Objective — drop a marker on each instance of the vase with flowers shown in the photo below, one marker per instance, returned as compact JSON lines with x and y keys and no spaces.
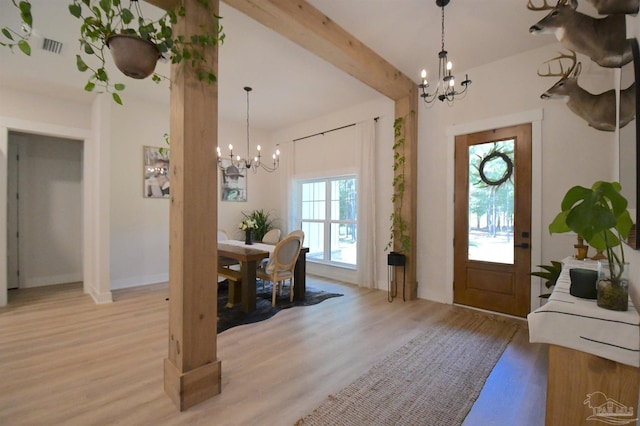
{"x":248,"y":225}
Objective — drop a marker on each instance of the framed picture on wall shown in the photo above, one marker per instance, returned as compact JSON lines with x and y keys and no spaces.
{"x":234,"y":184}
{"x":156,"y":172}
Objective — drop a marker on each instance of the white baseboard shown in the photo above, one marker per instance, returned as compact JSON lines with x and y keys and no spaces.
{"x":100,"y":298}
{"x":139,"y":281}
{"x":51,"y":280}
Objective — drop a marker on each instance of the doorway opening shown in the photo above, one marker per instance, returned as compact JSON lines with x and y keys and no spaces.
{"x":44,"y":210}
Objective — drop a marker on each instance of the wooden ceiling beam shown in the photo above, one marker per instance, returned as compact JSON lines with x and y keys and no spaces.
{"x":305,"y":25}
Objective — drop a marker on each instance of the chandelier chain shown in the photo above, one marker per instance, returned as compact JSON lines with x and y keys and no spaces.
{"x":442,"y":28}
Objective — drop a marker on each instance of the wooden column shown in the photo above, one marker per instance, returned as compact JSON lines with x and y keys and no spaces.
{"x":192,"y":372}
{"x":407,"y":108}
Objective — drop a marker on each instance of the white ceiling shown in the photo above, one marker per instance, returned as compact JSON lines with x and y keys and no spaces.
{"x":290,"y":84}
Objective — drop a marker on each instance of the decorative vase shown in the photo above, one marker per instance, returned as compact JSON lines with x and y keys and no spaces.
{"x":613,"y":292}
{"x":248,"y":237}
{"x":135,"y":57}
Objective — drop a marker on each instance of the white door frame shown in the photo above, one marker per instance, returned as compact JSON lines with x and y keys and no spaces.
{"x":95,"y":197}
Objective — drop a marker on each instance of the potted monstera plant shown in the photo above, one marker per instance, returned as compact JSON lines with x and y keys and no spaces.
{"x":135,"y":42}
{"x":599,"y":214}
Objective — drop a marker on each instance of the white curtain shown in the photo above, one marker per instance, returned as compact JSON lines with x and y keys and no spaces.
{"x":289,"y":198}
{"x":365,"y":138}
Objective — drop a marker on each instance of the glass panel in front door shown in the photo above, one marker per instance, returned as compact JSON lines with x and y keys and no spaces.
{"x":491,"y":202}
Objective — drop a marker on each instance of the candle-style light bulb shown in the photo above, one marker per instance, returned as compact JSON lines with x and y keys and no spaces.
{"x":274,"y":156}
{"x":452,"y":82}
{"x":449,"y":66}
{"x":278,"y":152}
{"x":259,"y":148}
{"x":230,"y":147}
{"x":238,"y":158}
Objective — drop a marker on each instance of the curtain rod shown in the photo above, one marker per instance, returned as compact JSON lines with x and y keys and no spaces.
{"x":332,"y":130}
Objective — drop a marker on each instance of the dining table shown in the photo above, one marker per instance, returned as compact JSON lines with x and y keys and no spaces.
{"x":249,"y":256}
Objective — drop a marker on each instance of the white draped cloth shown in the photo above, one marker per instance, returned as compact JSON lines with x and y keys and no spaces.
{"x":580,"y":324}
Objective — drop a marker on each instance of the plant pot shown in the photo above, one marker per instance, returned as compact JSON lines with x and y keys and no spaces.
{"x":581,"y":251}
{"x":396,"y":259}
{"x":248,"y":237}
{"x":135,"y":57}
{"x":613,"y":292}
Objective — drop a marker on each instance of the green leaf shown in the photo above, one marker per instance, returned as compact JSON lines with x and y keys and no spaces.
{"x":75,"y":10}
{"x":101,"y":75}
{"x":88,"y":49}
{"x":7,"y":34}
{"x":24,"y":47}
{"x":127,"y":16}
{"x":90,"y":86}
{"x":105,"y":5}
{"x":25,"y":13}
{"x":118,"y":86}
{"x":116,"y":98}
{"x":82,"y":67}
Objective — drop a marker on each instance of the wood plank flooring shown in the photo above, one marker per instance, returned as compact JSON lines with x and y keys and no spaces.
{"x":66,"y":361}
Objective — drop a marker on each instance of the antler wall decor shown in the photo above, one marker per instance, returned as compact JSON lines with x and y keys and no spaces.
{"x":598,"y":110}
{"x":602,"y":39}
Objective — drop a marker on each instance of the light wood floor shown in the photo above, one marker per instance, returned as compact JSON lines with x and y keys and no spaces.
{"x":66,"y":361}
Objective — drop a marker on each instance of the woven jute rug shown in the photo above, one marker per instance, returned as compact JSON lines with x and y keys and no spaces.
{"x":432,"y":380}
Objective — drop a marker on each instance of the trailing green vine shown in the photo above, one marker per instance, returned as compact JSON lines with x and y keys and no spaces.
{"x":399,"y":238}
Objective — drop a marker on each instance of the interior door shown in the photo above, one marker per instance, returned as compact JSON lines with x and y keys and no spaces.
{"x":492,"y":256}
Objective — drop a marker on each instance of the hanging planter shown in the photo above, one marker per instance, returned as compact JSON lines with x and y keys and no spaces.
{"x":134,"y":57}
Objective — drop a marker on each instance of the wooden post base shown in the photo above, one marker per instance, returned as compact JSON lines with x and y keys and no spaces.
{"x":190,"y":388}
{"x":579,"y":383}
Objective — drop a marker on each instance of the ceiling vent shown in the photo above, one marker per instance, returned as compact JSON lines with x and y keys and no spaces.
{"x":52,"y":46}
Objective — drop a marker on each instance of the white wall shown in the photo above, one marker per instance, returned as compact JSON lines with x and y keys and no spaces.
{"x":50,"y":210}
{"x":139,"y":227}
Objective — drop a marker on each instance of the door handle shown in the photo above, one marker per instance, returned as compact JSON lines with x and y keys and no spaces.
{"x":523,"y":245}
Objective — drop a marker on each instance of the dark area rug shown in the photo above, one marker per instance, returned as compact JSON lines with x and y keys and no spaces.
{"x":231,"y":317}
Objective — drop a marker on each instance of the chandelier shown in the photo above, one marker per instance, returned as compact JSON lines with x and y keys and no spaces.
{"x":445,"y":88}
{"x":247,"y":163}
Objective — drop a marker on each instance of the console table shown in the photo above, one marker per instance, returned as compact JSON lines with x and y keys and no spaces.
{"x":594,"y":355}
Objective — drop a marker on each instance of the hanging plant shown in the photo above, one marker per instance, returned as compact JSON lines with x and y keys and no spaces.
{"x":399,"y":238}
{"x":107,"y":24}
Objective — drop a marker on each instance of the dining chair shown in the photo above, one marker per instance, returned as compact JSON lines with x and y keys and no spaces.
{"x":272,"y":237}
{"x":281,"y":264}
{"x":222,"y":234}
{"x":298,"y":233}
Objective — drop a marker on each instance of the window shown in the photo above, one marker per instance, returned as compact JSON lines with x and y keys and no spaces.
{"x":328,"y":218}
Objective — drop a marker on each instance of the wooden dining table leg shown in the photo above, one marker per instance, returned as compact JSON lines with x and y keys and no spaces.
{"x":248,"y":270}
